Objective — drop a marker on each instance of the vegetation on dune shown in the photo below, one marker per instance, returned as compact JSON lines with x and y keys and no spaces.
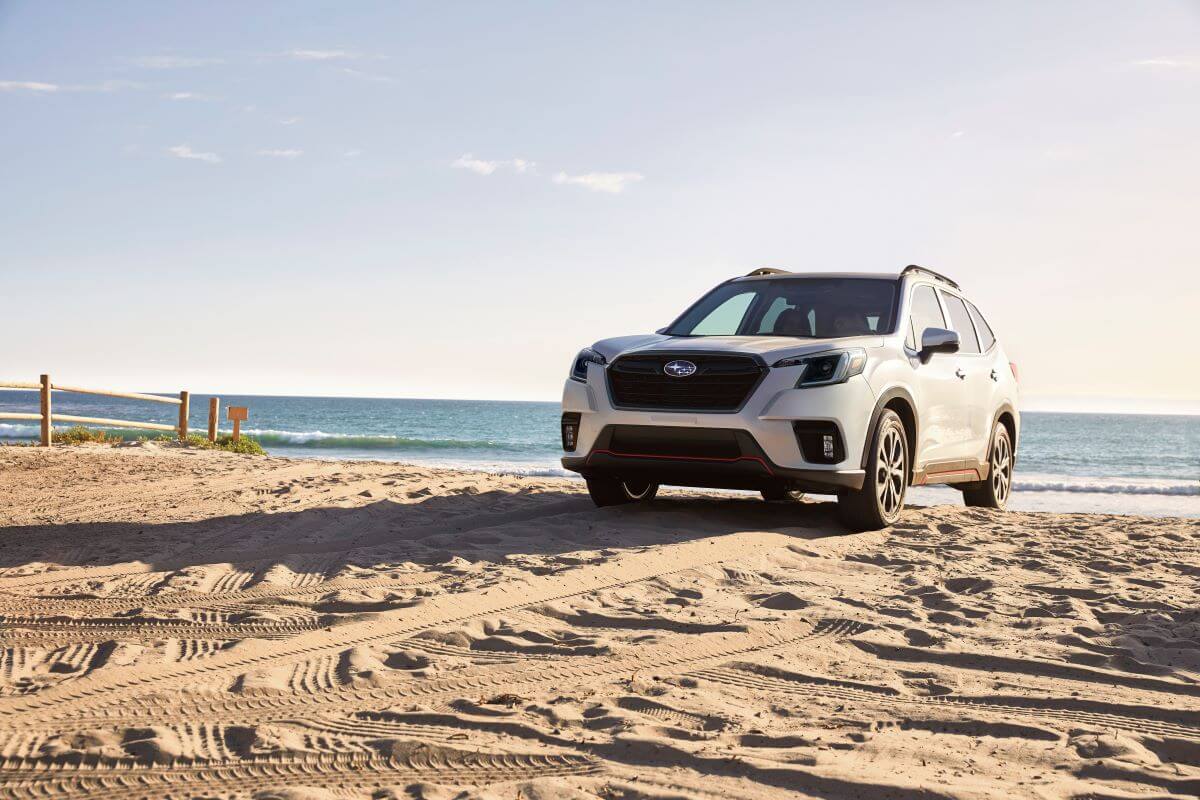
{"x":245,"y":445}
{"x":81,"y":435}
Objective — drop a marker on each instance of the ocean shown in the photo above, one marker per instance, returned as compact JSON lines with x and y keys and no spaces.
{"x":1105,"y":463}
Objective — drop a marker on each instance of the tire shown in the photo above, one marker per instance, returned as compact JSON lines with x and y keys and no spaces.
{"x":616,"y":492}
{"x":881,"y":499}
{"x":994,"y":492}
{"x":777,"y":495}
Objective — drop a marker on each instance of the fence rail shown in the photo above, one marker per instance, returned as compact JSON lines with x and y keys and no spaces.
{"x":47,"y":417}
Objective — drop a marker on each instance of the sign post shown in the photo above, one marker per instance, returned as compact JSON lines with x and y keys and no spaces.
{"x":237,"y":415}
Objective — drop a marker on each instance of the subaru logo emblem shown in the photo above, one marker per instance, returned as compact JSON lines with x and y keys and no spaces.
{"x":679,"y":369}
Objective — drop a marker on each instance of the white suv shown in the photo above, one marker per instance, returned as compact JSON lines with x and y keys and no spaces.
{"x":858,"y":385}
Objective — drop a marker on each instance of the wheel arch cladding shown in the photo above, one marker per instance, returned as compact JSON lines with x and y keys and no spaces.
{"x":1005,"y":417}
{"x":900,"y":401}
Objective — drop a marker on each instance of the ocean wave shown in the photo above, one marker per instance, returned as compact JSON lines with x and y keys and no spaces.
{"x":1107,"y":486}
{"x":319,"y":440}
{"x":9,"y":430}
{"x":343,"y":441}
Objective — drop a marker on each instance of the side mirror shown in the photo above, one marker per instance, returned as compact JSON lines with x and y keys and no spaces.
{"x":938,"y":340}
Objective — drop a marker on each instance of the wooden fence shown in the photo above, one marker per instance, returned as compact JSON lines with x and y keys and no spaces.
{"x":47,"y":418}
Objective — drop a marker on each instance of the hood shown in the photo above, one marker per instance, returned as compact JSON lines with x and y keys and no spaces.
{"x":769,"y":347}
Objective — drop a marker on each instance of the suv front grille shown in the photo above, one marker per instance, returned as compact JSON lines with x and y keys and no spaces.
{"x":721,"y":382}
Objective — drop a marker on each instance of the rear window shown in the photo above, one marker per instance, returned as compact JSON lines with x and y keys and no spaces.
{"x":986,"y":337}
{"x":960,"y":321}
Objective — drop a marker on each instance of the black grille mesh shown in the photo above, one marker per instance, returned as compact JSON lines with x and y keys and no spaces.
{"x":720,"y":383}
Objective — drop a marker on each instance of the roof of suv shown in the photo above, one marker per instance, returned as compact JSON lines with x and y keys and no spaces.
{"x":768,"y":273}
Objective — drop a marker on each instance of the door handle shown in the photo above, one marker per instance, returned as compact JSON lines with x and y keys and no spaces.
{"x":995,"y":375}
{"x":959,"y":372}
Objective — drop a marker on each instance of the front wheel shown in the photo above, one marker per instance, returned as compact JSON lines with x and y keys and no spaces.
{"x":615,"y":492}
{"x":881,"y":499}
{"x":993,"y":492}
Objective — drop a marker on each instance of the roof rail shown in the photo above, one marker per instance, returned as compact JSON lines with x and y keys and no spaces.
{"x":927,"y":271}
{"x":767,"y":271}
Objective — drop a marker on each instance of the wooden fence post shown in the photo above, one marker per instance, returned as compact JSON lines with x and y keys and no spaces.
{"x":47,"y":431}
{"x":183,"y":415}
{"x":214,"y":406}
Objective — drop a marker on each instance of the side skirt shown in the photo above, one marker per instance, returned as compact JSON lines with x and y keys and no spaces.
{"x":962,"y":471}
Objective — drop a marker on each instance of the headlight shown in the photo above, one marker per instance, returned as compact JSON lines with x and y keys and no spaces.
{"x":579,"y":366}
{"x":823,"y":369}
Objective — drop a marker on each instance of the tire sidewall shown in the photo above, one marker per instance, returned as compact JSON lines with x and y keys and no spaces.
{"x":1000,"y":431}
{"x":887,"y":421}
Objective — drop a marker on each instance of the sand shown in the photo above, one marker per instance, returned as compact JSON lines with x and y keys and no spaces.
{"x":195,"y":624}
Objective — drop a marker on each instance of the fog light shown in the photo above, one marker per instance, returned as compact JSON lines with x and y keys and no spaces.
{"x":570,"y":431}
{"x":820,"y":441}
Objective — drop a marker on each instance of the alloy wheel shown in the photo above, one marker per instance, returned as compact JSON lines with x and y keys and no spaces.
{"x":889,"y":472}
{"x":1002,"y":464}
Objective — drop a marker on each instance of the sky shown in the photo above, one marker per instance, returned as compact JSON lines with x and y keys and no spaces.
{"x":450,"y":199}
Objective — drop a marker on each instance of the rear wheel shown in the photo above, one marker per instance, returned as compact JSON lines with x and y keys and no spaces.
{"x":993,"y":493}
{"x":881,"y":499}
{"x":615,"y":491}
{"x":778,"y":495}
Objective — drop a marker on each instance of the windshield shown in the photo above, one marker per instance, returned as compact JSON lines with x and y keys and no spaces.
{"x":811,"y":308}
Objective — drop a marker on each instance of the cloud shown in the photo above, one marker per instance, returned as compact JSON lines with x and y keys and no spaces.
{"x":958,"y":134}
{"x":352,"y":154}
{"x":289,"y":120}
{"x":173,"y":62}
{"x":1169,"y":63}
{"x":481,"y":167}
{"x":289,"y":153}
{"x":28,"y":86}
{"x":367,"y":76}
{"x":104,"y":86}
{"x":609,"y":182}
{"x":184,"y":151}
{"x":188,"y":96}
{"x":323,"y":55}
{"x":41,"y":87}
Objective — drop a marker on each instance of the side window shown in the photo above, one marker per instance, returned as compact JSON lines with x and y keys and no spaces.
{"x":986,"y":337}
{"x":960,"y":319}
{"x":725,"y":319}
{"x":926,"y":313}
{"x":910,"y":341}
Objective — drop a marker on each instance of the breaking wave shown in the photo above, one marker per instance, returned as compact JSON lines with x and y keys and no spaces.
{"x":342,"y":441}
{"x":1106,"y":486}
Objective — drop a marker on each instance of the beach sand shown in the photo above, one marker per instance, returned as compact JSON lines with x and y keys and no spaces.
{"x":200,"y":624}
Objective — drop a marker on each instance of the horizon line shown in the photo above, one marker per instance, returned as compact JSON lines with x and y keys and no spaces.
{"x":1035,"y":409}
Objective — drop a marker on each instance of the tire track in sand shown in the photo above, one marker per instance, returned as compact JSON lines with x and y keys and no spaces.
{"x":1144,"y":720}
{"x":361,"y":771}
{"x":680,"y":654}
{"x":95,"y":691}
{"x":48,"y":606}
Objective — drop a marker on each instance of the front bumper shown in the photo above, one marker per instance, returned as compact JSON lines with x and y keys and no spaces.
{"x":767,"y":455}
{"x":736,"y":463}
